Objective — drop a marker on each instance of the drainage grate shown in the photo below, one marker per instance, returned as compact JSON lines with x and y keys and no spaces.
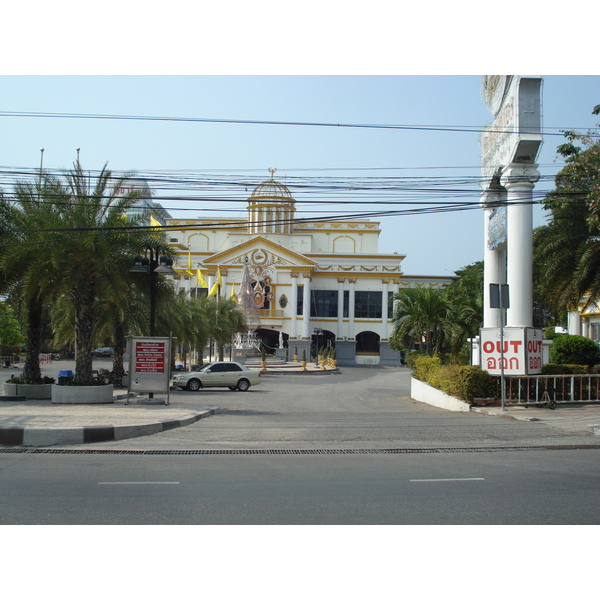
{"x":21,"y":450}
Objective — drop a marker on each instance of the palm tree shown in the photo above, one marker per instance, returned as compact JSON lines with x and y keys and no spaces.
{"x":567,"y":249}
{"x":90,"y":263}
{"x":418,"y":315}
{"x":224,"y":319}
{"x":28,"y":271}
{"x":465,"y":308}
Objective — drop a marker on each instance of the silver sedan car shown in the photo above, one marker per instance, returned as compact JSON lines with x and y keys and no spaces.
{"x":218,"y":374}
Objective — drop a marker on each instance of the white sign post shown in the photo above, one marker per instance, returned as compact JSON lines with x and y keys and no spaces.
{"x":150,"y":365}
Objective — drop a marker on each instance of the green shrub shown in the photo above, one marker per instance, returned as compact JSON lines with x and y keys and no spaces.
{"x":21,"y":381}
{"x":551,"y":369}
{"x":423,"y":365}
{"x":473,"y":382}
{"x":574,"y":350}
{"x":412,"y":356}
{"x":460,"y":381}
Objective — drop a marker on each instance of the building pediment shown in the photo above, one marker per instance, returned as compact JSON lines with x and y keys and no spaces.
{"x":260,"y":251}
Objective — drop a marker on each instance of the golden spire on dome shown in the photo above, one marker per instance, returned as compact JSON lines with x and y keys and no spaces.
{"x":272,"y":171}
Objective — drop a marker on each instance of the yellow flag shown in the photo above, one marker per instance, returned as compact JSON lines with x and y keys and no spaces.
{"x":156,"y":225}
{"x":214,"y":290}
{"x":201,"y":281}
{"x":233,"y":296}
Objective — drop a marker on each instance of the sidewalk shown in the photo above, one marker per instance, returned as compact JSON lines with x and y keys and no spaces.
{"x":36,"y":423}
{"x":573,"y":418}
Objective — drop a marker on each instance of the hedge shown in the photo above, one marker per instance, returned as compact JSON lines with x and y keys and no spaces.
{"x":460,"y":381}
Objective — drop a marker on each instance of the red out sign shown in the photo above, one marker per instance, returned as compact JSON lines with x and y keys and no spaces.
{"x":516,"y":350}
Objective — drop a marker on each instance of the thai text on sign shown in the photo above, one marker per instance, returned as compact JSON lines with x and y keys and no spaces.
{"x":150,"y":357}
{"x":518,"y":353}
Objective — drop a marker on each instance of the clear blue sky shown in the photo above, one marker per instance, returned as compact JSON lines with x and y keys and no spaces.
{"x":435,"y":244}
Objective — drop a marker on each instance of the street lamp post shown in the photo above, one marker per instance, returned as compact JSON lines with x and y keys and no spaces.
{"x":153,"y":262}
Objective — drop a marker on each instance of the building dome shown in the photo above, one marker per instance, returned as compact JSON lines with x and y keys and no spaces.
{"x":270,"y":207}
{"x":272,"y":191}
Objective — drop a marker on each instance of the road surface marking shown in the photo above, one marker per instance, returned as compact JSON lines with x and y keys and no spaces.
{"x":138,"y":483}
{"x":457,"y":479}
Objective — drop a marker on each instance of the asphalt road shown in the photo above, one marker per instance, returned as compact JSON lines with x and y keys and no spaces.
{"x":328,"y":449}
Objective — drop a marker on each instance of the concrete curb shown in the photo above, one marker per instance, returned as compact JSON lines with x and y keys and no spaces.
{"x":51,"y":436}
{"x":498,"y":412}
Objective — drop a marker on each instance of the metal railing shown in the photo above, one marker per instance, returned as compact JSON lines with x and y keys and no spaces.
{"x":547,"y":389}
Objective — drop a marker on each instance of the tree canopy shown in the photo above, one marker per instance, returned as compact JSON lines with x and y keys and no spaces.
{"x":566,"y":251}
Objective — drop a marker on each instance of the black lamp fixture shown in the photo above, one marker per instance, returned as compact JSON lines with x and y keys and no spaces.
{"x":153,"y":262}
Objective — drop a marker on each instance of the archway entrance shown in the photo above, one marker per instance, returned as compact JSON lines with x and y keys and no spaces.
{"x":321,"y":338}
{"x":367,"y":348}
{"x":270,"y":340}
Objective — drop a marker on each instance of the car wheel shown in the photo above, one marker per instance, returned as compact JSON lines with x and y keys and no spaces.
{"x":243,"y":385}
{"x":194,"y":385}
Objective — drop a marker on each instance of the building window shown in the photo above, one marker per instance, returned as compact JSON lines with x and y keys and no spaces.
{"x":197,"y":292}
{"x":300,"y":303}
{"x":346,"y":303}
{"x":367,"y":305}
{"x":323,"y":303}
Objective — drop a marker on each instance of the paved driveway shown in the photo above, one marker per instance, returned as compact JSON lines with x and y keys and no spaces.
{"x":360,"y":408}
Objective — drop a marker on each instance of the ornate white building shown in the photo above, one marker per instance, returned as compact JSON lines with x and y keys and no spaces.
{"x":309,"y":279}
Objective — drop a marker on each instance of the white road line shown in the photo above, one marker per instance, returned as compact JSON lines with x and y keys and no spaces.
{"x":138,"y":483}
{"x":458,"y":479}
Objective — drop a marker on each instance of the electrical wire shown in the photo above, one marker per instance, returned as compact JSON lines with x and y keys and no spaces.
{"x":447,"y":128}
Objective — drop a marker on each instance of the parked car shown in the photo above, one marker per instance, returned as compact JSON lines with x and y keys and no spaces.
{"x":103,"y":352}
{"x":218,"y":374}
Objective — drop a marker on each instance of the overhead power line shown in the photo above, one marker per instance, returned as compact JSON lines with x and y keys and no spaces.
{"x":448,"y":128}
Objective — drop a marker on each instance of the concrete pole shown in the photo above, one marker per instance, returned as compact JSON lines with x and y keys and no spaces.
{"x":519,"y":181}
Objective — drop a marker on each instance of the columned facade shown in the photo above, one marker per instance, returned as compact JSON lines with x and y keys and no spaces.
{"x":302,"y":275}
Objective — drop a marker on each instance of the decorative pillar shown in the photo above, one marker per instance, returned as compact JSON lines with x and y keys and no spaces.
{"x":306,"y":334}
{"x":351,"y":309}
{"x":494,"y":261}
{"x":294,"y":303}
{"x":519,"y":181}
{"x":585,"y":330}
{"x":573,"y":322}
{"x":340,"y":316}
{"x":384,"y":310}
{"x":395,"y":289}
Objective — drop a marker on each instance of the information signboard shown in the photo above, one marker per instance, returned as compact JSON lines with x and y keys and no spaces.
{"x":150,"y":364}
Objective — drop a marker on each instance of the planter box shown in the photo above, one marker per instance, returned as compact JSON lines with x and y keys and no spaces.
{"x":82,"y":394}
{"x":31,"y":391}
{"x":422,"y":392}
